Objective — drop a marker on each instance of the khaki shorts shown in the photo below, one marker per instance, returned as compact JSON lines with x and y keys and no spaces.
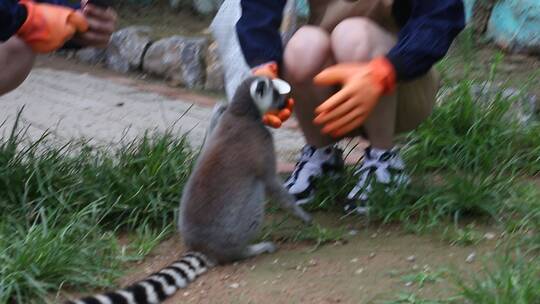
{"x":416,"y":98}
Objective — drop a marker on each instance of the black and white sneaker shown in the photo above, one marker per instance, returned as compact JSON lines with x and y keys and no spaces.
{"x":313,"y":163}
{"x":380,"y":166}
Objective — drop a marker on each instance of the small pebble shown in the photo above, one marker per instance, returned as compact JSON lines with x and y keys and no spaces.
{"x":408,"y":284}
{"x":185,"y":294}
{"x":489,"y":236}
{"x":353,"y":232}
{"x":372,"y":255}
{"x":234,"y":285}
{"x":275,"y":261}
{"x":355,"y":260}
{"x":470,"y":258}
{"x":359,"y":271}
{"x":415,"y":267}
{"x":374,"y":235}
{"x":312,"y":262}
{"x":411,"y":258}
{"x":252,"y":268}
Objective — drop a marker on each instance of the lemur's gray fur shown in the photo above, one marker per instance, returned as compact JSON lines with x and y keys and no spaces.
{"x":223,"y":202}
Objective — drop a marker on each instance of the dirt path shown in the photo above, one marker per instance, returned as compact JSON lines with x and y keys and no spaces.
{"x":368,"y":268}
{"x":72,"y":100}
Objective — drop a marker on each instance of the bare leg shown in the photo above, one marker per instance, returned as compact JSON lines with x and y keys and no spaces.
{"x":16,"y":61}
{"x":276,"y":190}
{"x":359,"y":39}
{"x":307,"y":53}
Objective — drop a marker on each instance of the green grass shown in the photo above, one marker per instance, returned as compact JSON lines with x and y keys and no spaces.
{"x":514,"y":279}
{"x":64,"y":209}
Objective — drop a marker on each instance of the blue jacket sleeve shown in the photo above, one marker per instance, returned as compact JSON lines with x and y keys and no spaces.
{"x":426,"y":36}
{"x":12,"y":17}
{"x":72,"y":4}
{"x":258,"y":31}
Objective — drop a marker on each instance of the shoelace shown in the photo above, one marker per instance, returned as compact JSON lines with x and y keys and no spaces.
{"x":380,"y":166}
{"x":305,"y":155}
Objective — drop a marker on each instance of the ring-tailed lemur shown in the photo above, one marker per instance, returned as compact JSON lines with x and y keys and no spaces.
{"x":222,"y":206}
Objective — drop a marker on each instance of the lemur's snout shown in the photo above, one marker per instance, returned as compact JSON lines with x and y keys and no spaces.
{"x":281,"y":92}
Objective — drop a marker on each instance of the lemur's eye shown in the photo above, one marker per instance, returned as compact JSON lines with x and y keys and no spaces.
{"x":260,"y":90}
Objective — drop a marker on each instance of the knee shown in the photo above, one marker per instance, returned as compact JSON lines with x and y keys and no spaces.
{"x":359,"y":39}
{"x":306,"y":53}
{"x":16,"y":60}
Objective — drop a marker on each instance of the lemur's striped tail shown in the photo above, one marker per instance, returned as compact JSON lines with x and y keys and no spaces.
{"x":158,"y":286}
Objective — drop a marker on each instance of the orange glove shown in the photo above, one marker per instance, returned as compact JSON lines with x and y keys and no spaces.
{"x":48,"y":27}
{"x":363,"y":84}
{"x":274,"y":119}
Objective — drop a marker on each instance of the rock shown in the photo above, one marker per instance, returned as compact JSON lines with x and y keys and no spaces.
{"x":524,"y":105}
{"x":215,"y":79}
{"x":411,"y":258}
{"x":471,"y":257}
{"x":234,"y":285}
{"x":515,"y":25}
{"x":302,"y":8}
{"x":353,"y":232}
{"x":372,"y":255}
{"x":206,"y":7}
{"x":178,"y":59}
{"x":91,"y":55}
{"x":489,"y":236}
{"x":359,"y":271}
{"x":289,"y":23}
{"x":127,"y":47}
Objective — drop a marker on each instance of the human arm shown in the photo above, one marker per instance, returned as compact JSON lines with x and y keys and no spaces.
{"x":423,"y":40}
{"x":260,"y":41}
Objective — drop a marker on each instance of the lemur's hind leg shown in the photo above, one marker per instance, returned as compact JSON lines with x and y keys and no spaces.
{"x":258,"y":249}
{"x":276,"y":191}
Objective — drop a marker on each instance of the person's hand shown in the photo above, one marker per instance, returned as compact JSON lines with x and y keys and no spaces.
{"x":102,"y":24}
{"x":48,"y":27}
{"x":363,"y":84}
{"x":276,"y":118}
{"x":269,"y":69}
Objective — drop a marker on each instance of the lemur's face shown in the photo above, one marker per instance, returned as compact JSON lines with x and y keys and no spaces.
{"x":269,"y":94}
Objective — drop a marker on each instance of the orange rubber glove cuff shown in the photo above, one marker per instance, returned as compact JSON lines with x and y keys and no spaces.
{"x":48,"y":27}
{"x":383,"y":73}
{"x":268,"y":69}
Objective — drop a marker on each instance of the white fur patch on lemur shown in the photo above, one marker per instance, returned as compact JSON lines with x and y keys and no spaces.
{"x":180,"y":282}
{"x":167,"y":289}
{"x":190,"y":274}
{"x":128,"y":296}
{"x":103,"y":299}
{"x":196,"y":264}
{"x":151,"y":294}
